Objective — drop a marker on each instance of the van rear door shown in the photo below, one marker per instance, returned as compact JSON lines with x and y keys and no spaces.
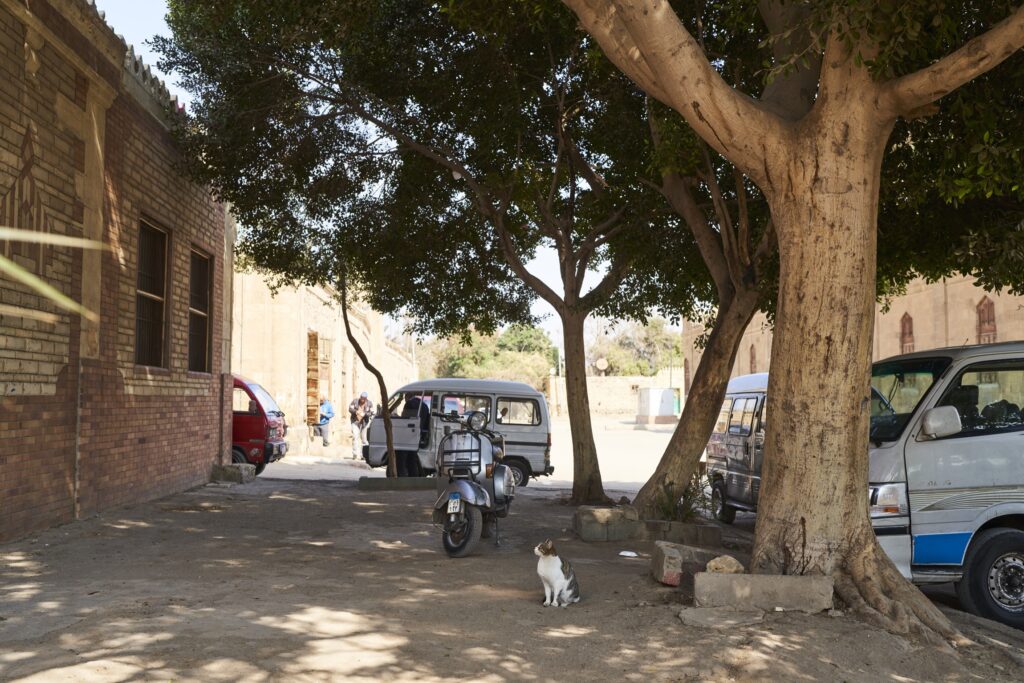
{"x":739,"y":450}
{"x":520,"y":420}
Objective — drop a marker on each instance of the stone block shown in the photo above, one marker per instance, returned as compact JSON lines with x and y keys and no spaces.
{"x":655,"y":529}
{"x":710,"y":617}
{"x":680,"y":532}
{"x":725,"y":564}
{"x":762,"y":591}
{"x":234,"y":473}
{"x":606,"y":523}
{"x":709,"y":535}
{"x":667,"y":563}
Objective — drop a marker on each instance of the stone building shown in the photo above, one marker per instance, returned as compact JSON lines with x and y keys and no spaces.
{"x":952,"y":312}
{"x":129,"y":406}
{"x":294,"y":344}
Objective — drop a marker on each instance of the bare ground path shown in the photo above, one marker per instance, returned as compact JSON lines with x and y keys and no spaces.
{"x":308,"y":581}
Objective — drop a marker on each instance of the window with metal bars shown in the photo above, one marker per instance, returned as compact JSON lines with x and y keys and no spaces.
{"x":986,"y":321}
{"x":906,"y":334}
{"x":151,"y":296}
{"x":199,"y":313}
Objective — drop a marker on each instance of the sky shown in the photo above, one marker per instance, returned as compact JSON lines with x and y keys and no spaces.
{"x":139,"y":20}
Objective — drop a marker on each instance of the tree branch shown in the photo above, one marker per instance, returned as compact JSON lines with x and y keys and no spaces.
{"x":508,"y":248}
{"x":908,"y":93}
{"x":599,"y":294}
{"x":790,"y":95}
{"x":646,"y":39}
{"x":730,"y":250}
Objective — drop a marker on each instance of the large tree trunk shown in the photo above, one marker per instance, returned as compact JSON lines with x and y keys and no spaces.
{"x":587,"y":488}
{"x":703,"y":403}
{"x":812,"y":514}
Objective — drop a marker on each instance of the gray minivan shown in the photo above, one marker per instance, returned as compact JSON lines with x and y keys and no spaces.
{"x":945,"y":468}
{"x":736,"y":448}
{"x":515,"y":410}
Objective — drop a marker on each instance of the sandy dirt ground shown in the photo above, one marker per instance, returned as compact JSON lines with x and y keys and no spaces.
{"x":306,"y":581}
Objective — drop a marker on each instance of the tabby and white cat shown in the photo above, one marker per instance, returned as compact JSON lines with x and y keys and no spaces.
{"x":560,"y":586}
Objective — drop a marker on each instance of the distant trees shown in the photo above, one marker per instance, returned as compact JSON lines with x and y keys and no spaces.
{"x":520,"y":353}
{"x":635,"y":349}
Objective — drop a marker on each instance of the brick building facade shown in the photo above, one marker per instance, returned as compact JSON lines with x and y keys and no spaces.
{"x":130,"y":406}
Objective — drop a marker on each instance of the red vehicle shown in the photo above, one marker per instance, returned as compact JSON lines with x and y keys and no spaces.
{"x":259,"y":426}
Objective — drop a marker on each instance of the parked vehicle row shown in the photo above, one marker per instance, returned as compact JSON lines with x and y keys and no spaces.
{"x":946,"y":468}
{"x":514,"y":411}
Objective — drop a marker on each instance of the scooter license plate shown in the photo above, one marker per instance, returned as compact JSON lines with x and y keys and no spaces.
{"x":454,"y":503}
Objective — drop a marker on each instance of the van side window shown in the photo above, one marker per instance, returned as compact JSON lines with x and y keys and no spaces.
{"x":723,"y":417}
{"x":748,"y":415}
{"x":462,"y":403}
{"x":240,"y":401}
{"x":989,"y":398}
{"x":742,"y":413}
{"x":517,"y":412}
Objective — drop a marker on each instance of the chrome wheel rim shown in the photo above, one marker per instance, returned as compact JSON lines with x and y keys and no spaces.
{"x":517,"y":476}
{"x":1006,"y":581}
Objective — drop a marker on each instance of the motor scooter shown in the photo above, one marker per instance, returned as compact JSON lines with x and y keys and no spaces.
{"x":474,"y":487}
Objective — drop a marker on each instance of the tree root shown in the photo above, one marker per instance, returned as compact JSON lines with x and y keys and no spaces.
{"x":873,"y":589}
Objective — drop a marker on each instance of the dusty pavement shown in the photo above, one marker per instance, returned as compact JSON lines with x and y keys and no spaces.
{"x":302,"y":581}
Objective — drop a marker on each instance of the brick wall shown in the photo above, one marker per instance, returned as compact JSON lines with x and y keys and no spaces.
{"x":85,"y":429}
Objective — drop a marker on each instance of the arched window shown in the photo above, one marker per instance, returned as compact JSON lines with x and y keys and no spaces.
{"x":753,"y":359}
{"x":906,"y":334}
{"x":686,"y":376}
{"x":986,"y":321}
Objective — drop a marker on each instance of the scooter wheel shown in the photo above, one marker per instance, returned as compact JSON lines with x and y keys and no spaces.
{"x":461,"y":540}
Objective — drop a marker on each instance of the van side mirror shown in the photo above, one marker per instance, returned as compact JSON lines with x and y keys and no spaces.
{"x":940,"y":422}
{"x":254,"y":408}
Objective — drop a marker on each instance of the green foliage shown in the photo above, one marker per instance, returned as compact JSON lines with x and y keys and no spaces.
{"x":519,"y":353}
{"x":635,"y":349}
{"x":332,"y":127}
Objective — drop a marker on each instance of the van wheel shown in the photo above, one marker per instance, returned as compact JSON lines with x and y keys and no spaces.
{"x":260,"y":467}
{"x":721,"y":510}
{"x":993,"y":583}
{"x":520,"y":475}
{"x":238,"y":456}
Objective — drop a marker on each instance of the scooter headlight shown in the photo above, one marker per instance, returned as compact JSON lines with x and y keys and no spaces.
{"x":476,"y":421}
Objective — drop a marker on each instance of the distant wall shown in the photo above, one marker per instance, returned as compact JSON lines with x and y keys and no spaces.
{"x":612,"y":394}
{"x":271,"y":346}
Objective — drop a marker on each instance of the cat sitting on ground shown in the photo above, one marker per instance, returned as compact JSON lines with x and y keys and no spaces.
{"x":560,"y":585}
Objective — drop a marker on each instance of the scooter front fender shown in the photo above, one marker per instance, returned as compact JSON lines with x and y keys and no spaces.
{"x":471,"y":492}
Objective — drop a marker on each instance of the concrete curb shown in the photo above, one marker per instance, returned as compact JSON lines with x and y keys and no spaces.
{"x":397,"y":484}
{"x":769,"y":592}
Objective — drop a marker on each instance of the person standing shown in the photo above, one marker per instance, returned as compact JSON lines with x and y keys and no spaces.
{"x":360,"y":412}
{"x":323,"y":428}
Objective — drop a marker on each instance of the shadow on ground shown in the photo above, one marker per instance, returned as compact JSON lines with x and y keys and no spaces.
{"x":292,"y":580}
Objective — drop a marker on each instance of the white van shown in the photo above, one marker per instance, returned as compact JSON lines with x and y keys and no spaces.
{"x":946,"y":468}
{"x":515,"y":410}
